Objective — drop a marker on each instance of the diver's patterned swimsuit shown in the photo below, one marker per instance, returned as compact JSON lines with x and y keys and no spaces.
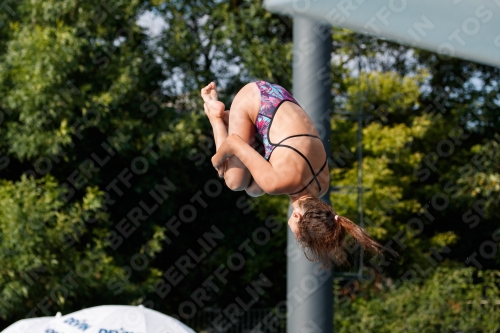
{"x":271,"y":97}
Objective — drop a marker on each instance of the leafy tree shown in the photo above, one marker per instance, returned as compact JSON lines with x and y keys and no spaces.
{"x":451,"y":300}
{"x":73,"y":79}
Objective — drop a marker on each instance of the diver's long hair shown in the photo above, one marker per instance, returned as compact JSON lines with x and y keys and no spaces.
{"x":321,"y":233}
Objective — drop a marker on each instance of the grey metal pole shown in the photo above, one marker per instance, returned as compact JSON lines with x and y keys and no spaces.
{"x":310,"y":290}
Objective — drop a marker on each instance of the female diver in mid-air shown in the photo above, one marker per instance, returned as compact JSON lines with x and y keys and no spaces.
{"x":297,"y":168}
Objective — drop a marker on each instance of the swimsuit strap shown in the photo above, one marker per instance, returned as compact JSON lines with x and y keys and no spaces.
{"x":314,"y":175}
{"x":305,"y":158}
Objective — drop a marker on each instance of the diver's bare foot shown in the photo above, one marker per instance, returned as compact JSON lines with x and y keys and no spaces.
{"x":215,"y":110}
{"x":209,"y":93}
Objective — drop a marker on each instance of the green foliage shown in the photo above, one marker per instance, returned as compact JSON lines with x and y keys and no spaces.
{"x":484,"y":182}
{"x":415,"y":113}
{"x":40,"y":262}
{"x":388,"y":161}
{"x":73,"y":76}
{"x":450,"y":300}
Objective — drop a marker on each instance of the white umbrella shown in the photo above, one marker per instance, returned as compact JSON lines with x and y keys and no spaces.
{"x":29,"y":325}
{"x":110,"y":319}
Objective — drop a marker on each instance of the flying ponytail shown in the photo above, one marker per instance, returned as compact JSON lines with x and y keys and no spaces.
{"x":321,"y":233}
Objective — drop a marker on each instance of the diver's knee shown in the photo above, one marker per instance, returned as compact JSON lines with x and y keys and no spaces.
{"x":234,"y":183}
